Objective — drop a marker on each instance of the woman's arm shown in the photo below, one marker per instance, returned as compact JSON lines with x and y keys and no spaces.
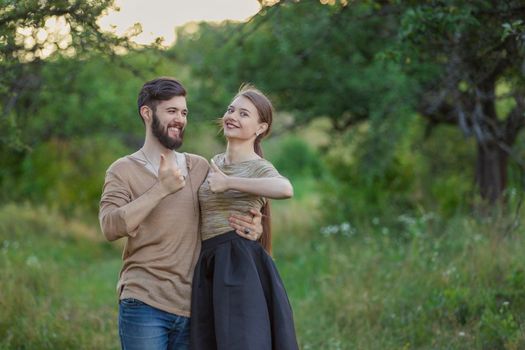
{"x":269,"y":187}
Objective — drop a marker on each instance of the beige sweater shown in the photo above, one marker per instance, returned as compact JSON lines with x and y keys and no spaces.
{"x":159,"y":255}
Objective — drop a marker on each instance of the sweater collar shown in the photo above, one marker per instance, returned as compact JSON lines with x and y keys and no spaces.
{"x":140,"y":157}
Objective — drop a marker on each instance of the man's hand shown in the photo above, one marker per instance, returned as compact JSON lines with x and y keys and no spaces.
{"x":170,"y":177}
{"x":217,"y":180}
{"x":246,"y":226}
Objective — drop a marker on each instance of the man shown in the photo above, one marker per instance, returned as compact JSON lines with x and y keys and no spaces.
{"x":150,"y":197}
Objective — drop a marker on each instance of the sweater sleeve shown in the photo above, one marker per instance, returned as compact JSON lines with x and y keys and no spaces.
{"x":116,"y":194}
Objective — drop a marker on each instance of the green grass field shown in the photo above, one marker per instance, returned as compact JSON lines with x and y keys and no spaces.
{"x":421,"y":283}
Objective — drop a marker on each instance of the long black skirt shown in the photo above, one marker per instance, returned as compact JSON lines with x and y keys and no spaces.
{"x":238,"y":299}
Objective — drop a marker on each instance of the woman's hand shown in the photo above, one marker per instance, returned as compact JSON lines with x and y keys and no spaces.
{"x":246,"y":226}
{"x":218,"y":181}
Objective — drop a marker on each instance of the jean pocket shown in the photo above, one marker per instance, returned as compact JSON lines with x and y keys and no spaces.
{"x":131,"y":302}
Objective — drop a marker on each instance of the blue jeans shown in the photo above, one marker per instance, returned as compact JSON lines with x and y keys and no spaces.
{"x":142,"y":327}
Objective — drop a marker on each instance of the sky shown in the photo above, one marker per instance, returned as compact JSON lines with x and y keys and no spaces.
{"x":160,"y":17}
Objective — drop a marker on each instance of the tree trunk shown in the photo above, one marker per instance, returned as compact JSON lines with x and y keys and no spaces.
{"x":491,"y":172}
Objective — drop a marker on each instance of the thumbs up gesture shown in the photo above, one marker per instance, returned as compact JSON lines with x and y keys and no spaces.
{"x":170,"y":176}
{"x":217,"y":180}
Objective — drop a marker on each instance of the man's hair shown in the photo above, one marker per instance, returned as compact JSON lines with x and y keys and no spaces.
{"x":159,"y":89}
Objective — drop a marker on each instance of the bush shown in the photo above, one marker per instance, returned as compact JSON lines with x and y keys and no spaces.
{"x":68,"y":175}
{"x":293,"y":157}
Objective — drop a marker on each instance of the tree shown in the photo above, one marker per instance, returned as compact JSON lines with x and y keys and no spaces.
{"x":314,"y":59}
{"x":33,"y":32}
{"x":476,"y":50}
{"x":380,"y":62}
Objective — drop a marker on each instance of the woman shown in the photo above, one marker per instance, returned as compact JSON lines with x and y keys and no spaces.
{"x":238,"y":298}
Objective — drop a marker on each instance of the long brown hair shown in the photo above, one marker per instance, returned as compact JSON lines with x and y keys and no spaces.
{"x":265,"y":110}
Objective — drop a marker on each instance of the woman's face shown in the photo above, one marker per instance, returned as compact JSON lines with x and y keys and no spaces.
{"x":241,"y":120}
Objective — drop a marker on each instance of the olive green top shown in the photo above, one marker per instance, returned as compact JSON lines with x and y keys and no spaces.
{"x":217,"y":207}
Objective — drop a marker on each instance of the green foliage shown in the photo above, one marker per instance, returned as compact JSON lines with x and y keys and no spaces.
{"x":474,"y":48}
{"x":421,"y":172}
{"x":378,"y":63}
{"x":69,"y":173}
{"x":499,"y":330}
{"x":363,"y":184}
{"x":32,"y":31}
{"x":321,"y":61}
{"x":295,"y":158}
{"x":81,"y":120}
{"x":81,"y":98}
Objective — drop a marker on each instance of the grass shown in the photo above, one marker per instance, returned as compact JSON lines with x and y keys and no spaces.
{"x":427,"y":285}
{"x":58,"y":283}
{"x":421,"y":283}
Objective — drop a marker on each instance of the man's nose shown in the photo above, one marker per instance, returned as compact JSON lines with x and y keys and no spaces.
{"x":179,"y":116}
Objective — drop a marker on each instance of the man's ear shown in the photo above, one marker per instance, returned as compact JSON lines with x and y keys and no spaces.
{"x":146,"y":113}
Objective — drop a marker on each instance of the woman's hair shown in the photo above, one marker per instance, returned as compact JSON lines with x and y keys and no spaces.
{"x":265,"y":110}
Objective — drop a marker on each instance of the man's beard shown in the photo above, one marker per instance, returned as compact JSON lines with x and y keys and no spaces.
{"x":162,"y":134}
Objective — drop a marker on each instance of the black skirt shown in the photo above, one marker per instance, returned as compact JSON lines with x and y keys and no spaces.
{"x":238,"y":299}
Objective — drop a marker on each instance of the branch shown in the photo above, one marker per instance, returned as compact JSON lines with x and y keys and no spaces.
{"x":438,"y":111}
{"x":241,"y":37}
{"x":515,"y":120}
{"x":16,"y":16}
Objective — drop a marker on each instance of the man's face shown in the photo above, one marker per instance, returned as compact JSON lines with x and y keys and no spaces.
{"x":169,"y":121}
